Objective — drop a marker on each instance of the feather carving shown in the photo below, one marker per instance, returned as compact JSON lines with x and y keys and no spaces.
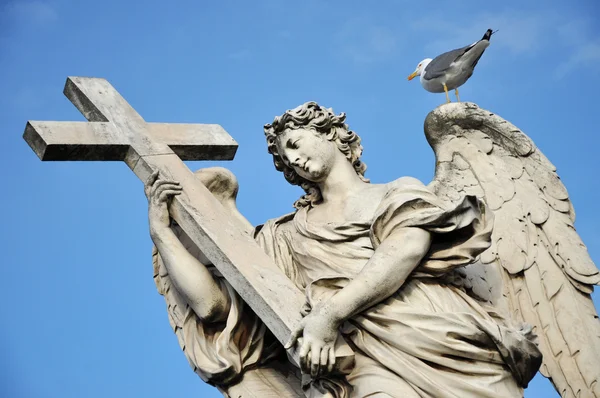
{"x":537,"y":269}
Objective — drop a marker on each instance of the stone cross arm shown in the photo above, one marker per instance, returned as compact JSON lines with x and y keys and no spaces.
{"x":124,"y":137}
{"x":102,"y":141}
{"x":118,"y":132}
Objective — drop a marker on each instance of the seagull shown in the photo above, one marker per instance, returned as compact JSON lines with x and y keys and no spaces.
{"x":452,"y":69}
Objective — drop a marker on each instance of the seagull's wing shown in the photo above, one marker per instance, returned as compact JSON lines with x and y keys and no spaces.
{"x":440,"y":64}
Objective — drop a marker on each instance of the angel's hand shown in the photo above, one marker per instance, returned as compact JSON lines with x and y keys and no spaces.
{"x":159,"y":192}
{"x":319,"y":332}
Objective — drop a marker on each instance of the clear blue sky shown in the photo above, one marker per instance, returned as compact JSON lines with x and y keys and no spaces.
{"x":81,"y":316}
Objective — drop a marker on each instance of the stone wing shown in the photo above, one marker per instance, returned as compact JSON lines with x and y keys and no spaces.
{"x":537,"y":270}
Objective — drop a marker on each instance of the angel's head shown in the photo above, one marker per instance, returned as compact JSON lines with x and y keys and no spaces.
{"x":306,"y":142}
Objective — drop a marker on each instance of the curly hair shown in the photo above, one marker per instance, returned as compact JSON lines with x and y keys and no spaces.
{"x":322,"y":120}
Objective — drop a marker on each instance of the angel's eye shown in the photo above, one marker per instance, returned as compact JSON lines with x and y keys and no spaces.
{"x":293,"y":144}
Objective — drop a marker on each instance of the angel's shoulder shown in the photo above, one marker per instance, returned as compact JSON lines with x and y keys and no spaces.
{"x":273,"y":224}
{"x":405,"y":182}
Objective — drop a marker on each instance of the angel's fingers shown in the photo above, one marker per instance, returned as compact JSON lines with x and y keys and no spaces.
{"x":304,"y":348}
{"x":149,"y":182}
{"x":331,"y":361}
{"x":167,"y":193}
{"x":157,"y":184}
{"x":160,"y":182}
{"x":305,"y":362}
{"x":315,"y":361}
{"x":324,"y":360}
{"x":296,"y":333}
{"x":166,"y":185}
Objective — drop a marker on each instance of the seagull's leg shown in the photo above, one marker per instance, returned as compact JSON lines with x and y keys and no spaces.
{"x":446,"y":91}
{"x":456,"y":92}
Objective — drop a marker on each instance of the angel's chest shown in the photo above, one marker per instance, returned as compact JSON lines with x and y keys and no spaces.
{"x":344,"y":212}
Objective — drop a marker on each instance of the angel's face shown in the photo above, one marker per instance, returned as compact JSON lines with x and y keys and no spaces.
{"x":308,"y":152}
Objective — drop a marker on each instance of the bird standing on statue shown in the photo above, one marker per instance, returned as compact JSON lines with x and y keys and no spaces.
{"x":452,"y":69}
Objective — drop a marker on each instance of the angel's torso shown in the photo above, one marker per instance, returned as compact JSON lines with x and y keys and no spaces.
{"x":334,"y":239}
{"x":358,"y":206}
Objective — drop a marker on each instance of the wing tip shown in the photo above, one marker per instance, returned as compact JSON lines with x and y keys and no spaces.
{"x":488,"y":34}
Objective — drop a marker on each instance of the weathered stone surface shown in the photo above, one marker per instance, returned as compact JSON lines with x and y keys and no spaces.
{"x":537,"y":270}
{"x":221,"y":238}
{"x":102,"y":141}
{"x":406,"y":272}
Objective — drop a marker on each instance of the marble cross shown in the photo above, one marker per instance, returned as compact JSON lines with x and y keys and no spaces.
{"x":115,"y":131}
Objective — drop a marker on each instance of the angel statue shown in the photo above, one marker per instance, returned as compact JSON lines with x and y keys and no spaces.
{"x":452,"y":289}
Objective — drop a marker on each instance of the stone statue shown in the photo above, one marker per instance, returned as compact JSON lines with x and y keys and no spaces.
{"x":454,"y":289}
{"x":428,"y":284}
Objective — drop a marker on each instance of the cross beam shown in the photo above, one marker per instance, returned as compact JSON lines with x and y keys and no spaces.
{"x":118,"y":132}
{"x":102,"y":141}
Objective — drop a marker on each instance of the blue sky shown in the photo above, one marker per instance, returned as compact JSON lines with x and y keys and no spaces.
{"x":82,"y":317}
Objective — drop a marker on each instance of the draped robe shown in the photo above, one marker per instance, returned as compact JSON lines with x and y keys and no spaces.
{"x":429,"y":339}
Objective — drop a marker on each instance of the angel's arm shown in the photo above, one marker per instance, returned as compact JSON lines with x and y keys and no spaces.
{"x":191,"y":278}
{"x":387,"y":270}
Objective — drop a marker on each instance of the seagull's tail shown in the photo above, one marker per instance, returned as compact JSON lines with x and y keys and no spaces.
{"x":488,"y":34}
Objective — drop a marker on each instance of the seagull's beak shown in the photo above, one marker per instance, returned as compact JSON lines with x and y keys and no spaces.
{"x":412,"y":75}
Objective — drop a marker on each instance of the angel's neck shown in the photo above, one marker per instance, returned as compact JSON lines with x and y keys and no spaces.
{"x":341,"y":182}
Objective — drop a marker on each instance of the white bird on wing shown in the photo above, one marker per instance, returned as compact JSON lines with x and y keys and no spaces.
{"x":452,"y":69}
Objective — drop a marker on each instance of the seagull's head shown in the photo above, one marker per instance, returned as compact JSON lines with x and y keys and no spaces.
{"x":420,"y":68}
